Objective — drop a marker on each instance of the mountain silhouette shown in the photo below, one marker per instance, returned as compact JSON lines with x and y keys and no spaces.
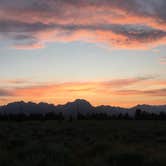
{"x":156,"y":109}
{"x":79,"y":106}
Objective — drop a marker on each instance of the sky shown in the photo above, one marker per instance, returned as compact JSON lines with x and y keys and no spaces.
{"x":109,"y":52}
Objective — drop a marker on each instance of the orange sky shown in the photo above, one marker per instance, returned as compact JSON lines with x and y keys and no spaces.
{"x":119,"y":92}
{"x":105,"y":51}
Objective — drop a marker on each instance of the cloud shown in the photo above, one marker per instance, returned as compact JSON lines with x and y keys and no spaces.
{"x":153,"y":92}
{"x":28,"y":46}
{"x":120,"y":86}
{"x":156,"y":92}
{"x":125,"y":24}
{"x":126,"y":82}
{"x":120,"y":91}
{"x":162,"y":60}
{"x":14,"y":81}
{"x":5,"y":93}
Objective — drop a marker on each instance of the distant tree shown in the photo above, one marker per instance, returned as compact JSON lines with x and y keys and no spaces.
{"x":126,"y":116}
{"x":138,"y":114}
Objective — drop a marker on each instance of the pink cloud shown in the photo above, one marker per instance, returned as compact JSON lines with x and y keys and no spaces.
{"x":123,"y":24}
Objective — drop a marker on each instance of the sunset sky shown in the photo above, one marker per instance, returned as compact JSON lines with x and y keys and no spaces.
{"x":109,"y":52}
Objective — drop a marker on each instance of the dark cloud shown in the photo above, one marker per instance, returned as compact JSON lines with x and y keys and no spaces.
{"x":145,"y":8}
{"x":139,"y":33}
{"x":16,"y":29}
{"x":17,"y":26}
{"x":139,"y":7}
{"x":22,"y":20}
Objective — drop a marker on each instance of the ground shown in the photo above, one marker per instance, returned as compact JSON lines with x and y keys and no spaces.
{"x":83,"y":143}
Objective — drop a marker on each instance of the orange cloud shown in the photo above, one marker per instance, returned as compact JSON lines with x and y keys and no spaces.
{"x":123,"y":92}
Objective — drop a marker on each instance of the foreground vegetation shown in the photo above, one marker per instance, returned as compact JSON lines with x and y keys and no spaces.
{"x":83,"y":143}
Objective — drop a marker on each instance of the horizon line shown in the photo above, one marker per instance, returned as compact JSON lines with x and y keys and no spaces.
{"x":81,"y":99}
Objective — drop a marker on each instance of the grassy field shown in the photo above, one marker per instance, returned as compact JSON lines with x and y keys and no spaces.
{"x":83,"y":143}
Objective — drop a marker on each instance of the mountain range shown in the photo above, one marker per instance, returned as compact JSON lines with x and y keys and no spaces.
{"x":79,"y":106}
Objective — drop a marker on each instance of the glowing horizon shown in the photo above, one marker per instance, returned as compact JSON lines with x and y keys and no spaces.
{"x":107,"y":52}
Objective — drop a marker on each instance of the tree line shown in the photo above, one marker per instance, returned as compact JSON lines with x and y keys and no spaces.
{"x":139,"y":115}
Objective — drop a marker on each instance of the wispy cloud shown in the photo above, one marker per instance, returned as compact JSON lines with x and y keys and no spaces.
{"x":126,"y":82}
{"x":152,"y":92}
{"x":14,"y":81}
{"x":6,"y":92}
{"x":143,"y":88}
{"x":162,"y":60}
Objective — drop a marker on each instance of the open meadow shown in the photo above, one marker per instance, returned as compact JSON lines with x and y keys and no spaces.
{"x":83,"y":143}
